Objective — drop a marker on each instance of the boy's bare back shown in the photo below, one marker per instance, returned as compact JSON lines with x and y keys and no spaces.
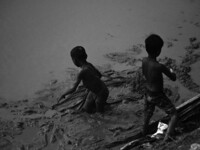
{"x":153,"y":74}
{"x":153,"y":71}
{"x":90,"y":77}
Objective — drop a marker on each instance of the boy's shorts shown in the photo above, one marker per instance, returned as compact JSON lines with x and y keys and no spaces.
{"x":94,"y":102}
{"x":161,"y":101}
{"x":89,"y":105}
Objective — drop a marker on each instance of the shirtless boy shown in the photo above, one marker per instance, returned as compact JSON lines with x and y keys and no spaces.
{"x":90,"y":77}
{"x":153,"y":72}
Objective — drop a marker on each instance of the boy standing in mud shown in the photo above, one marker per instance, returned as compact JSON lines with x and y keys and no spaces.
{"x":152,"y":71}
{"x":90,"y":77}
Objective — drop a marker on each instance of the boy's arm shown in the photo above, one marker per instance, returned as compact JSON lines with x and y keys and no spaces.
{"x":169,"y":73}
{"x":73,"y":89}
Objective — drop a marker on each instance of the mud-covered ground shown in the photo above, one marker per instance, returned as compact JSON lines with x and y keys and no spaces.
{"x":34,"y":125}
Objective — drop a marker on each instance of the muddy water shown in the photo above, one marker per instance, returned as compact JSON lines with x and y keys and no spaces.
{"x":6,"y":114}
{"x":28,"y":135}
{"x":36,"y":36}
{"x":195,"y":74}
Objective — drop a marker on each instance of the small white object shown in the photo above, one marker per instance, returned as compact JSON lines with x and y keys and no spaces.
{"x":171,"y":70}
{"x":195,"y":146}
{"x":161,"y":128}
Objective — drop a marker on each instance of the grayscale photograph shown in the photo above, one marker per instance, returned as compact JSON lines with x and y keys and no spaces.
{"x":99,"y":75}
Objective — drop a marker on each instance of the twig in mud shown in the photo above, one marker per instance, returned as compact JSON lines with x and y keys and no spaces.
{"x":115,"y":102}
{"x":130,"y":144}
{"x":122,"y":128}
{"x":137,"y":142}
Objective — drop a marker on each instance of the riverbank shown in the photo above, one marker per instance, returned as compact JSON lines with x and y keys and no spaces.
{"x":28,"y":125}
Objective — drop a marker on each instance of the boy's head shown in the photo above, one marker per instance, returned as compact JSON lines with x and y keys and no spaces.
{"x":78,"y":55}
{"x":153,"y":44}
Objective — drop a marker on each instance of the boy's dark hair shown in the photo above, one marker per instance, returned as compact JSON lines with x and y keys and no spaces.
{"x":153,"y":44}
{"x":79,"y":53}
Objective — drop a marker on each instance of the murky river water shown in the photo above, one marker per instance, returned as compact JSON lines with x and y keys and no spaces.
{"x":36,"y":36}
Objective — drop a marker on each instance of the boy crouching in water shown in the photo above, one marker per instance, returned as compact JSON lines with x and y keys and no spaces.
{"x":152,"y":71}
{"x":90,"y":77}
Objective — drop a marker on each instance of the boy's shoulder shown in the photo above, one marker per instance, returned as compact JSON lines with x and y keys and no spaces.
{"x":154,"y":63}
{"x":86,"y":69}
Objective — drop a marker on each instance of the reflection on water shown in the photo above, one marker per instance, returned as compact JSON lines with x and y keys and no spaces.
{"x":36,"y":36}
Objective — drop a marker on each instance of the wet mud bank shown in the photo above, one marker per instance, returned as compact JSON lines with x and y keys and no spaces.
{"x":183,"y":69}
{"x":34,"y":125}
